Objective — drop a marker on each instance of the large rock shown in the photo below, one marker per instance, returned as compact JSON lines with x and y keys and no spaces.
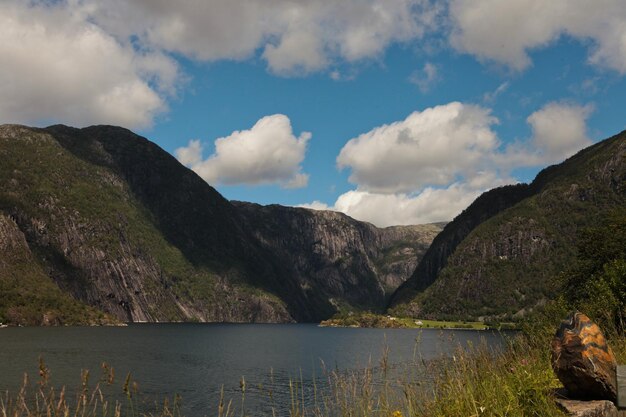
{"x":583,"y":361}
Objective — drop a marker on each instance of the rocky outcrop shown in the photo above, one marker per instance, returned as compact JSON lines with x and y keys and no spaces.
{"x":401,"y":248}
{"x":497,"y":258}
{"x":593,"y":408}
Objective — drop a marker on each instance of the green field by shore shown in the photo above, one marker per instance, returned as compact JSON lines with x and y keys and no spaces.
{"x":387,"y":321}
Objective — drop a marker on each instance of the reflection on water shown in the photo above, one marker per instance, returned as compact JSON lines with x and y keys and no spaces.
{"x":196,"y":361}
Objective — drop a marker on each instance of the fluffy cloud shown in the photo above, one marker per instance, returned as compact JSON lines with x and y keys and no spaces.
{"x":57,"y":66}
{"x":294,"y":37}
{"x":267,"y":153}
{"x":429,"y":206}
{"x":315,"y":205}
{"x":432,"y":147}
{"x":504,"y":31}
{"x":559,"y":131}
{"x":190,"y":155}
{"x":423,"y":169}
{"x":88,"y":61}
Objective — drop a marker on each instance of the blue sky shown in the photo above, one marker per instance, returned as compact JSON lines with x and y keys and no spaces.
{"x":394,"y":112}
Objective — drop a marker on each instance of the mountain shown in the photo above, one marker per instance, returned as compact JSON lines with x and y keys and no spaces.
{"x":100,"y":225}
{"x":498,"y":257}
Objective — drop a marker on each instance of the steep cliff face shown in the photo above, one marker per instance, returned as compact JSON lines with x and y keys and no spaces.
{"x":352,"y":264}
{"x":503,"y":265}
{"x":401,"y":248}
{"x":28,"y":294}
{"x":113,"y":222}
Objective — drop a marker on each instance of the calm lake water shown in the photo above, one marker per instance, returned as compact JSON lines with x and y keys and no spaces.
{"x":196,"y":360}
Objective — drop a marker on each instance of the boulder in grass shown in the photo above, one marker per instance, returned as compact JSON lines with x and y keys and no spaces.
{"x":583,"y":361}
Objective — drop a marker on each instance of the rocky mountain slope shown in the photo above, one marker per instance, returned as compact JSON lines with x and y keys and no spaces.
{"x":497,"y":258}
{"x":354,"y":264}
{"x":114,"y":228}
{"x":27,"y":293}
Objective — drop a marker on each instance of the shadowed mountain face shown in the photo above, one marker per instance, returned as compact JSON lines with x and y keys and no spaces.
{"x":352,"y":263}
{"x":498,"y":257}
{"x":106,"y":221}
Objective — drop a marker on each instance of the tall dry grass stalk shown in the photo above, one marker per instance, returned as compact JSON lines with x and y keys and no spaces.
{"x":43,"y":400}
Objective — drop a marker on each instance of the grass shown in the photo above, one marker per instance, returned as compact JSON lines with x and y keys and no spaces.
{"x":437,"y":324}
{"x":516,"y":382}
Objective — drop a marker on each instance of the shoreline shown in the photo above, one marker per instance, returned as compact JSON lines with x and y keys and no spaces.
{"x":369,"y":320}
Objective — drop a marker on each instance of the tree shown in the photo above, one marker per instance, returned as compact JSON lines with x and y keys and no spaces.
{"x":596,"y":283}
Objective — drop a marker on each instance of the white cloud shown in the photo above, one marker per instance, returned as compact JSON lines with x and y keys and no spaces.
{"x":429,"y":206}
{"x":267,"y":153}
{"x":316,"y":205}
{"x":504,"y":31}
{"x":424,"y":168}
{"x":57,"y":66}
{"x":299,"y":180}
{"x":432,"y":147}
{"x":297,"y":52}
{"x":295,"y":37}
{"x":426,"y":77}
{"x":559,"y":131}
{"x":589,"y":86}
{"x":191,"y":154}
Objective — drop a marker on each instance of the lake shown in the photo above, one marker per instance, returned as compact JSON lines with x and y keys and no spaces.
{"x":197,"y":360}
